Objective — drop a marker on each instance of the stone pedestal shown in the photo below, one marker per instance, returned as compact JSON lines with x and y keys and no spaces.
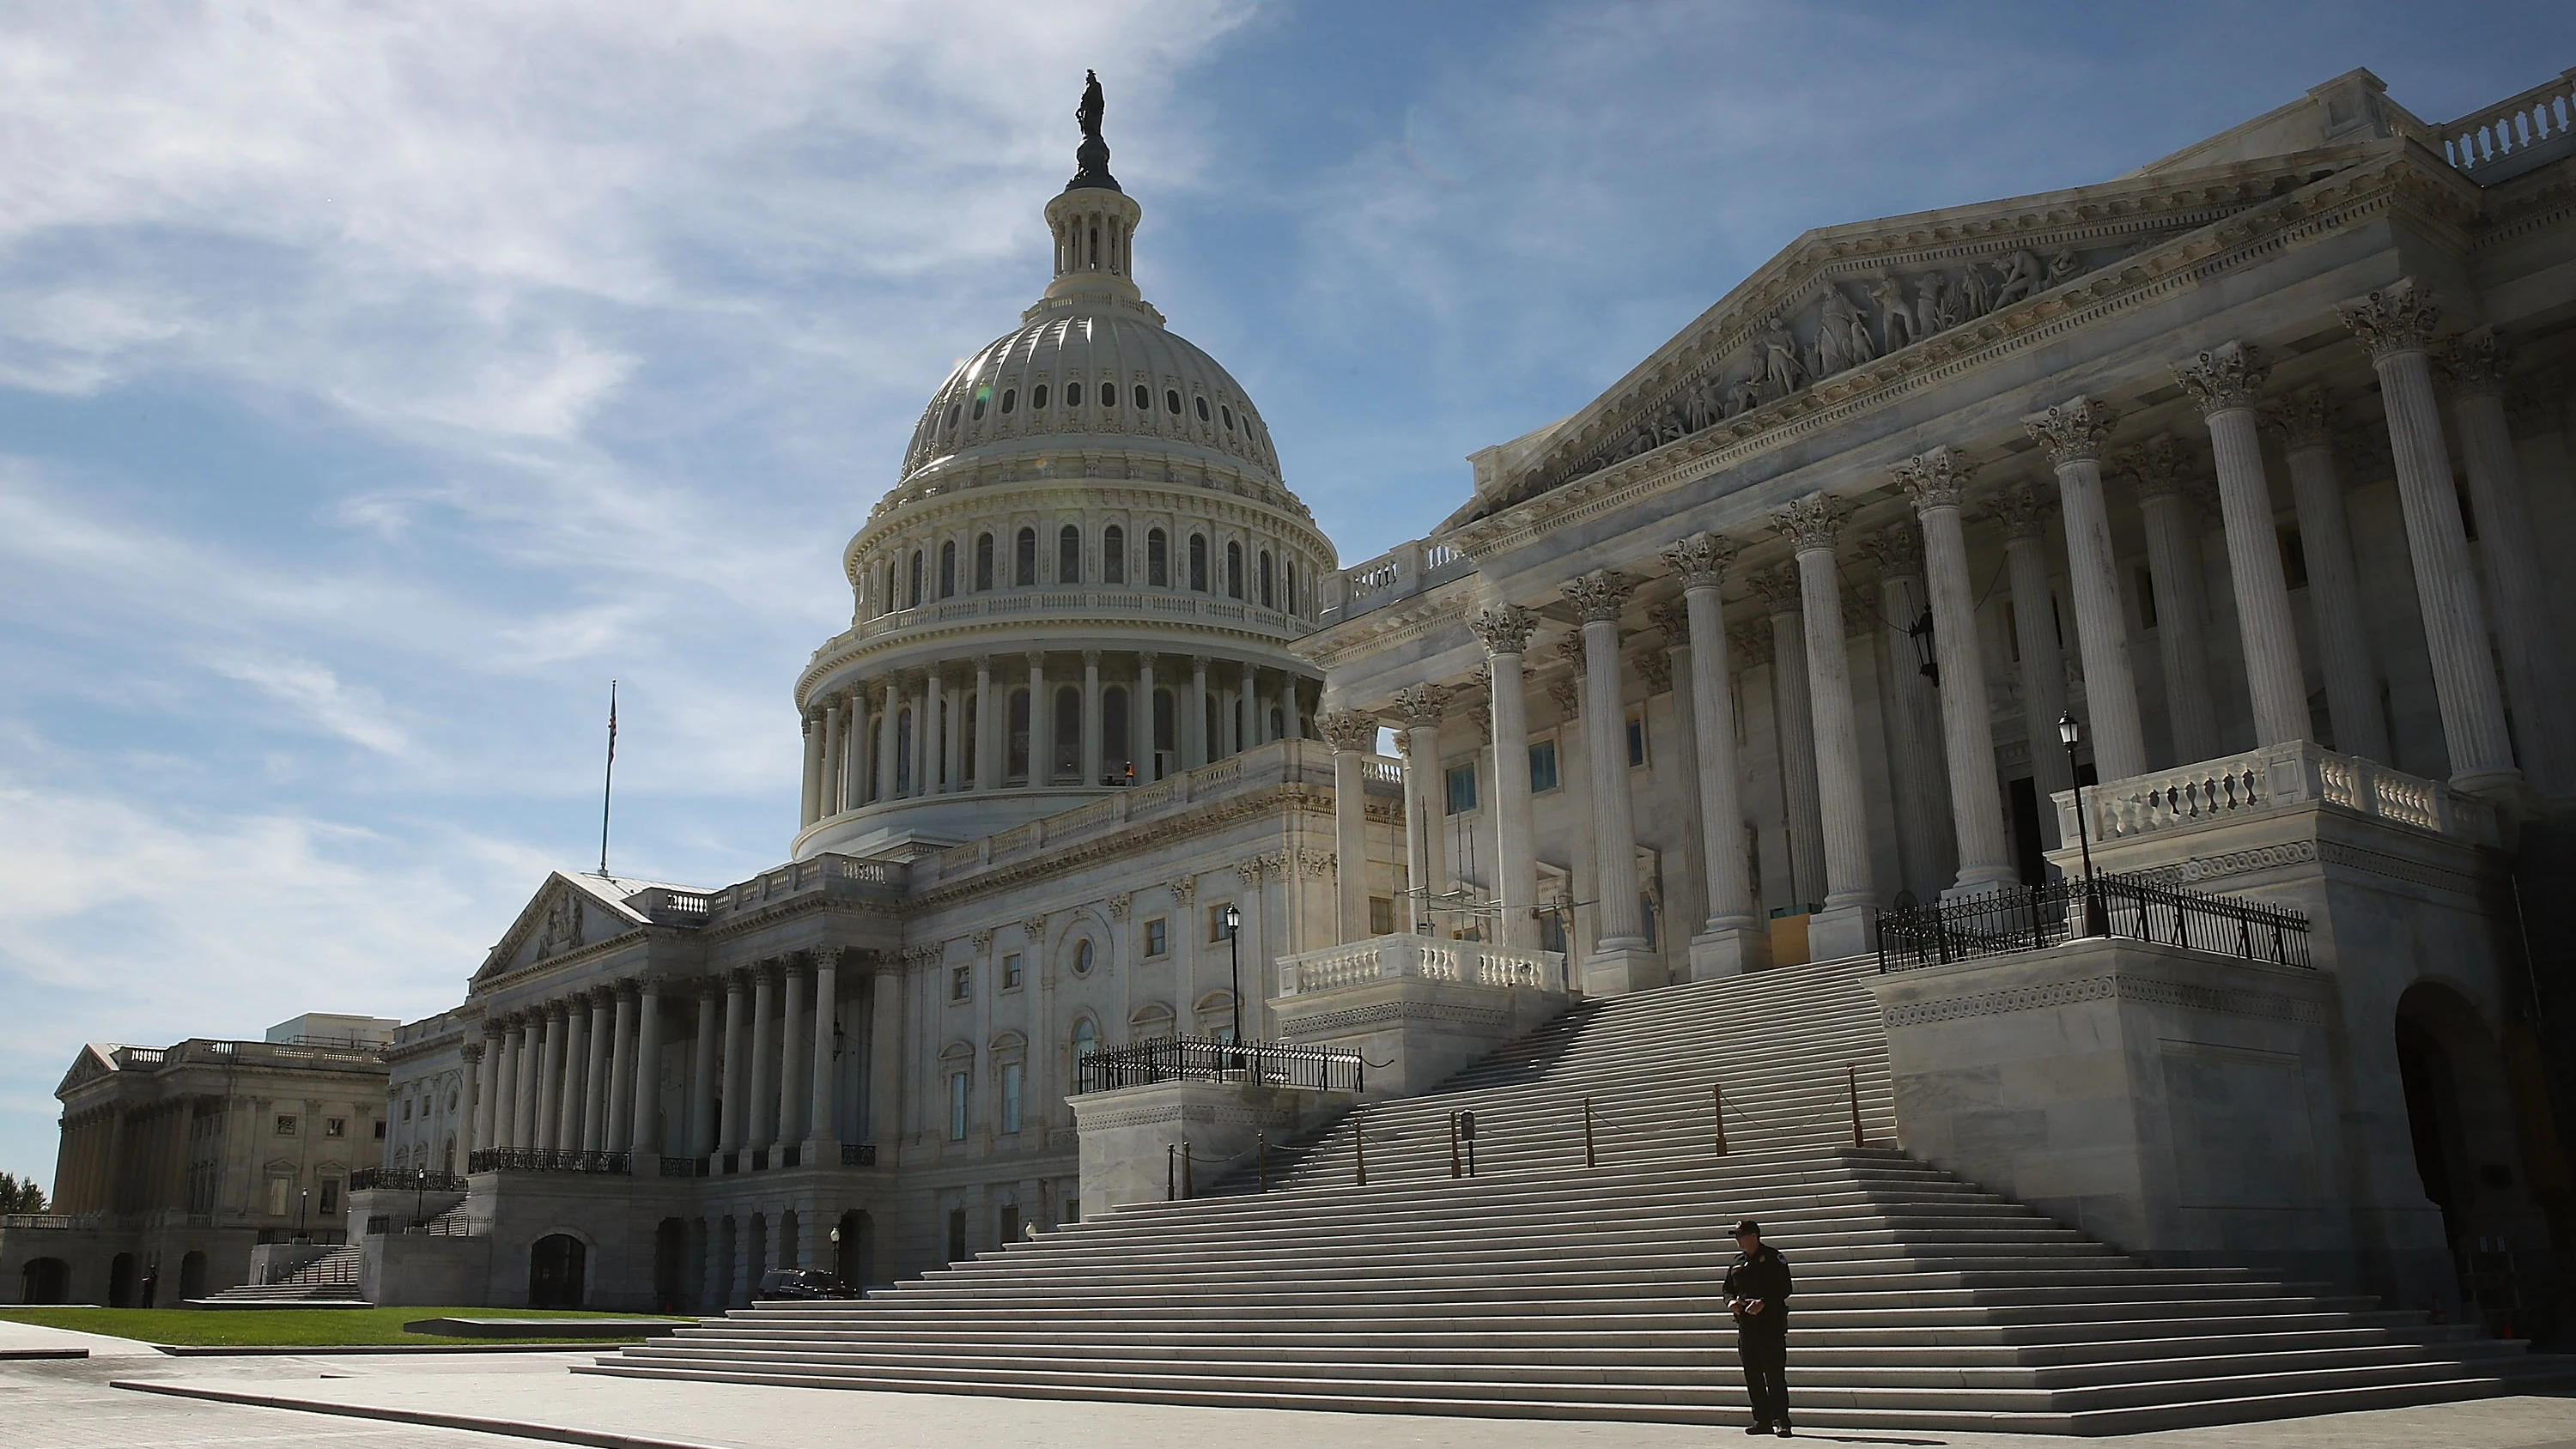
{"x":1839,"y":931}
{"x":1128,"y":1135}
{"x":1730,"y":952}
{"x":1415,"y":1008}
{"x":417,"y":1270}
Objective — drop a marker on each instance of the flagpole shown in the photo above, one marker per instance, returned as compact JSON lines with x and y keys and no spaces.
{"x":608,"y":781}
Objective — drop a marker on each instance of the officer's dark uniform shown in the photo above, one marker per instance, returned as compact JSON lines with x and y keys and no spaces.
{"x":1762,"y":1339}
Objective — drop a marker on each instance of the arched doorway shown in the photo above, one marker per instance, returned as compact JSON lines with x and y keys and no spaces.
{"x":2466,"y":1130}
{"x":670,"y":1250}
{"x":192,"y":1276}
{"x":555,"y":1269}
{"x":121,"y":1282}
{"x":854,"y":1248}
{"x":45,"y":1280}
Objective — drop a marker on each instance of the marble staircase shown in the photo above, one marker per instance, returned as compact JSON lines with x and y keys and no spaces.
{"x":331,"y":1278}
{"x":1543,"y":1287}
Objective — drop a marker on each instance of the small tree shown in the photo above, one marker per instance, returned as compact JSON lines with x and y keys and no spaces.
{"x":20,"y":1197}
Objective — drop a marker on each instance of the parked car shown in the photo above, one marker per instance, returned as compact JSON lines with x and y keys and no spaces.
{"x":782,"y":1285}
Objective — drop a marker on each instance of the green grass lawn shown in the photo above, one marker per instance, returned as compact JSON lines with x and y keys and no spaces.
{"x":314,"y":1327}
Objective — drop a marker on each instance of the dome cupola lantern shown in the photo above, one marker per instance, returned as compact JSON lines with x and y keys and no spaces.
{"x":1094,"y":222}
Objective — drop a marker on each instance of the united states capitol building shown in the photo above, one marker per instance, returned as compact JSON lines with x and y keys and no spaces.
{"x":1742,"y":697}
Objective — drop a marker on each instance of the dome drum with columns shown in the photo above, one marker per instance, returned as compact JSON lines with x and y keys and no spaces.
{"x":1086,"y":578}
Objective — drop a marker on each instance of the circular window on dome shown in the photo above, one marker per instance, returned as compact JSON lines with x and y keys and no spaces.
{"x":1073,"y":394}
{"x":1144,"y":399}
{"x":1203,"y":412}
{"x":1229,"y":416}
{"x":1037,"y":398}
{"x":1010,"y":395}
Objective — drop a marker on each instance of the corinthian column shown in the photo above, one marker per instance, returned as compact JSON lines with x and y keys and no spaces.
{"x":1619,"y":960}
{"x":2477,"y":364}
{"x":1794,"y":724}
{"x":2334,"y":588}
{"x":644,"y":1137}
{"x":988,"y":727}
{"x":1911,"y":706}
{"x":703,"y":1088}
{"x":594,"y":1091}
{"x":1734,"y":938}
{"x":1847,"y":925}
{"x":548,"y":1126}
{"x":1091,"y":719}
{"x":793,"y":1083}
{"x":2227,"y":383}
{"x":1504,"y":630}
{"x":828,"y":781}
{"x":527,"y":1045}
{"x":488,"y":1121}
{"x":760,"y":1122}
{"x":2160,"y":474}
{"x":886,"y":740}
{"x":822,"y":1141}
{"x":2073,"y":433}
{"x":1353,"y":736}
{"x":1935,"y":482}
{"x":737,"y":1067}
{"x":2023,"y":511}
{"x":814,"y":757}
{"x":620,"y":1095}
{"x":1421,"y":707}
{"x":2396,"y":326}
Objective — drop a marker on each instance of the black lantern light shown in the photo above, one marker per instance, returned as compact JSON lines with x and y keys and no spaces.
{"x":2095,"y":922}
{"x":1921,"y":633}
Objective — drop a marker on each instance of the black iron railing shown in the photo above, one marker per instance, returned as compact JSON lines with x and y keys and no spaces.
{"x":368,"y":1179}
{"x":2003,"y":922}
{"x":1208,"y":1059}
{"x":538,"y":1159}
{"x":858,"y":1154}
{"x":684,"y":1167}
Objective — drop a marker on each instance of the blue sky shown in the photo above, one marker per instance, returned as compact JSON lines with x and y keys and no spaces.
{"x":378,"y":381}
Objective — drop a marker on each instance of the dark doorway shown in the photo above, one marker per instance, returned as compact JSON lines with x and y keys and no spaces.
{"x":192,"y":1276}
{"x":956,"y":1234}
{"x":121,"y":1282}
{"x":670,"y":1250}
{"x":555,"y":1269}
{"x":2432,"y":1118}
{"x":2029,"y":845}
{"x":854,"y":1253}
{"x":46,"y":1280}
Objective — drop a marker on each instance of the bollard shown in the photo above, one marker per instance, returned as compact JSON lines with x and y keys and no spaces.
{"x":1359,"y":1143}
{"x":1589,"y":1160}
{"x":1717,"y":1109}
{"x":1851,"y":1074}
{"x":1467,"y":1129}
{"x":1187,"y":1190}
{"x":1261,"y":1157}
{"x":1455,"y":1167}
{"x":1171,"y":1173}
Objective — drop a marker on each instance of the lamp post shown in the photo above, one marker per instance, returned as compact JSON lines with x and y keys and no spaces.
{"x":301,"y":1194}
{"x":419,"y":1195}
{"x":1234,"y":954}
{"x":2068,"y":732}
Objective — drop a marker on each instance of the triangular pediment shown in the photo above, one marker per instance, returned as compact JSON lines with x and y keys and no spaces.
{"x":567,"y":913}
{"x":1862,"y":298}
{"x":93,"y":1061}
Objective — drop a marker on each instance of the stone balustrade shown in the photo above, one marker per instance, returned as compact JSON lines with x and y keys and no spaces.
{"x":2515,"y":134}
{"x":2235,"y":787}
{"x":1425,"y":958}
{"x":1407,"y":568}
{"x":1152,"y":605}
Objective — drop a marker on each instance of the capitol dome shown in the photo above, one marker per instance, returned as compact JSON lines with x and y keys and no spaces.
{"x":1085,"y":578}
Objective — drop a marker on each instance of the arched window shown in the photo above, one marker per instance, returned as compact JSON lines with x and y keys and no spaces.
{"x":1024,"y":559}
{"x":1073,"y":394}
{"x":983,"y":561}
{"x":1229,"y":416}
{"x":1010,"y":395}
{"x":1234,"y":570}
{"x":1037,"y":398}
{"x":1113,"y":555}
{"x":912,"y":594}
{"x":1109,"y":394}
{"x":1158,"y":559}
{"x":1269,"y":588}
{"x":948,"y":569}
{"x":1068,"y":555}
{"x":1198,"y":563}
{"x":1068,"y":731}
{"x":1018,"y":764}
{"x":982,"y":395}
{"x":1203,"y":409}
{"x":1145,"y":399}
{"x":1115,"y":753}
{"x":1086,"y":1038}
{"x":1172,"y":401}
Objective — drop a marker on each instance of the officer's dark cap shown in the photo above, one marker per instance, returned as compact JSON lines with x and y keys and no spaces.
{"x":1748,"y":1227}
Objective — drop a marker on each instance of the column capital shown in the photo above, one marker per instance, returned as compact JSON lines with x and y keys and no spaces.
{"x":2157,"y":467}
{"x":1749,"y":644}
{"x":1421,"y":705}
{"x":1673,"y":617}
{"x":1200,"y":662}
{"x":1348,"y":731}
{"x":496,"y":1027}
{"x":812,"y":718}
{"x":2074,"y":430}
{"x":827,"y":956}
{"x":1091,"y":659}
{"x":1935,"y":478}
{"x":1701,"y":559}
{"x":1897,"y":550}
{"x":2476,"y":363}
{"x":1567,"y":694}
{"x":2021,"y":509}
{"x":1599,"y":595}
{"x":2399,"y":317}
{"x":1778,"y":588}
{"x":2302,"y":419}
{"x":1503,"y":628}
{"x":558,"y":1009}
{"x":1655,"y":667}
{"x":2226,"y":377}
{"x":1812,"y":522}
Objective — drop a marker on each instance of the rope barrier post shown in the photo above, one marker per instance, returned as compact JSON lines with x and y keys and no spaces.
{"x":1717,"y":1110}
{"x":1261,"y":1156}
{"x":1467,"y":1129}
{"x":1455,"y":1167}
{"x":1188,"y":1190}
{"x":1171,"y":1173}
{"x":1851,"y":1075}
{"x":1359,"y":1143}
{"x":1589,"y":1159}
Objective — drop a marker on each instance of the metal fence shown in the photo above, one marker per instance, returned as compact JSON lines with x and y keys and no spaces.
{"x":2001,"y":923}
{"x":1211,"y":1059}
{"x":534,"y":1159}
{"x":368,"y":1179}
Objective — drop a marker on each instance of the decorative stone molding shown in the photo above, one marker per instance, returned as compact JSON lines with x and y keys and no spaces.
{"x":1598,"y":596}
{"x":1034,"y":926}
{"x":2303,"y":420}
{"x":2476,"y":363}
{"x":2156,"y":467}
{"x":2261,"y":1005}
{"x":1422,"y":705}
{"x":1503,"y":628}
{"x":1655,"y":667}
{"x":1749,"y":645}
{"x":981,"y":941}
{"x":1249,"y":872}
{"x":1701,"y":560}
{"x":1316,"y":864}
{"x":922,"y":958}
{"x":1778,"y":588}
{"x":2074,"y":430}
{"x":1935,"y":478}
{"x":1348,"y":731}
{"x":1568,"y":697}
{"x":1672,"y":616}
{"x":2021,"y":509}
{"x":1477,"y":702}
{"x":2397,"y":318}
{"x":1571,"y":648}
{"x":1183,"y":888}
{"x":2227,"y":376}
{"x":1116,"y":904}
{"x":1812,"y":522}
{"x":1897,"y":550}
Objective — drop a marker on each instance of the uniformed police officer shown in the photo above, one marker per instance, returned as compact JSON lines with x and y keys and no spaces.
{"x":1757,"y":1293}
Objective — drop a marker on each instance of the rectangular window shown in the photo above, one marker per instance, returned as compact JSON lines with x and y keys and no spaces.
{"x":1012,"y":1073}
{"x":380,"y":1131}
{"x":1216,"y":922}
{"x":1381,"y":916}
{"x":1636,"y":738}
{"x":957,"y":1085}
{"x":1543,"y":767}
{"x":285,"y":1125}
{"x":330,"y":1203}
{"x":1010,"y":970}
{"x":281,"y":1196}
{"x":1460,"y":781}
{"x":335,"y":1126}
{"x":961,"y":983}
{"x":1158,"y":938}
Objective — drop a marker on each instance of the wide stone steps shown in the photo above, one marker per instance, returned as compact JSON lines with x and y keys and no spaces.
{"x":1545,"y":1288}
{"x":331,"y":1278}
